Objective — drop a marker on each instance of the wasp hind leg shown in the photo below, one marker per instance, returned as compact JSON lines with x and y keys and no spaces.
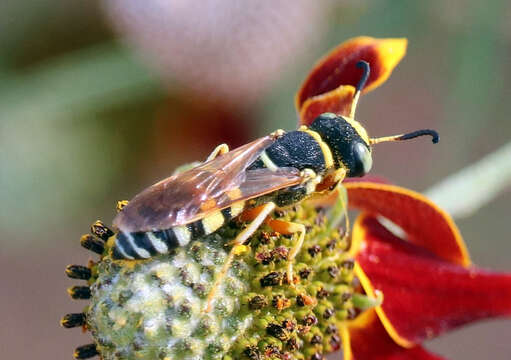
{"x":219,"y":150}
{"x":258,"y":215}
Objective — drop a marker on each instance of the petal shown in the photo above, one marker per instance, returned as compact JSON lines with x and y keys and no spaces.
{"x":425,"y":223}
{"x":337,"y":101}
{"x":338,"y":67}
{"x":424,"y":295}
{"x":369,"y":341}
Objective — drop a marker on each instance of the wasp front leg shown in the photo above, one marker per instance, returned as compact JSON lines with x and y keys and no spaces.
{"x":219,"y":150}
{"x":258,"y":215}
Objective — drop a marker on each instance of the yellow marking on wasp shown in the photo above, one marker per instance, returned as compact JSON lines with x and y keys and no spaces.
{"x":327,"y":153}
{"x":213,"y":222}
{"x":312,"y":184}
{"x":158,"y":244}
{"x":208,"y":204}
{"x":183,"y":235}
{"x":112,"y":242}
{"x":234,"y":194}
{"x":237,"y":208}
{"x":359,"y":129}
{"x":268,"y":162}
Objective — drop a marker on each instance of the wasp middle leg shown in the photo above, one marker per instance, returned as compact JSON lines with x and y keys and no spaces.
{"x":219,"y":150}
{"x":290,"y":228}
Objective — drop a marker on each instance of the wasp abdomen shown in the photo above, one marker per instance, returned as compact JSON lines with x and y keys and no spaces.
{"x":144,"y":245}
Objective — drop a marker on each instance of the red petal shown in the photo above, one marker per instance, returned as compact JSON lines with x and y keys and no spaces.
{"x":424,"y":296}
{"x":370,"y":341}
{"x":339,"y":66}
{"x":337,"y":101}
{"x":425,"y":224}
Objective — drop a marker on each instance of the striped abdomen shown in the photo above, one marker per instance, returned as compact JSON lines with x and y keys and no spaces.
{"x":144,"y":245}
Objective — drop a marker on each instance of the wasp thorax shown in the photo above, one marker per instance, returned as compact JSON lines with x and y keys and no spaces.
{"x":348,"y":142}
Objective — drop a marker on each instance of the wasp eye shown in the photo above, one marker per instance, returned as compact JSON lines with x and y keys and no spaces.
{"x":362,"y":160}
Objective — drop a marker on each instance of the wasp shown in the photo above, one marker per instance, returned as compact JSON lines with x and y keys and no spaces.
{"x":250,"y":182}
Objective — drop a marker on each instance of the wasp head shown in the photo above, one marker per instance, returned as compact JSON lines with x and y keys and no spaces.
{"x":347,"y":140}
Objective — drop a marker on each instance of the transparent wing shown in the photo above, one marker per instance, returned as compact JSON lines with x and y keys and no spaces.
{"x":180,"y":199}
{"x":260,"y":182}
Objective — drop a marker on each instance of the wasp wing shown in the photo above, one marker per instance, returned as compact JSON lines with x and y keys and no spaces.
{"x":259,"y":182}
{"x":180,"y":199}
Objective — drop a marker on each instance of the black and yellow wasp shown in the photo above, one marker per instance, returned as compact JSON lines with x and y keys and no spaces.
{"x":272,"y":172}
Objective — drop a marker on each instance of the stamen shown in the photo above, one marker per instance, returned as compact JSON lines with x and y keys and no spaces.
{"x":79,"y":292}
{"x":78,"y":272}
{"x":100,"y":230}
{"x":73,"y":320}
{"x":85,"y":352}
{"x":91,"y":243}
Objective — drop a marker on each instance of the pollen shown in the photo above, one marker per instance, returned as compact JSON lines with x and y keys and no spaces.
{"x":240,"y":249}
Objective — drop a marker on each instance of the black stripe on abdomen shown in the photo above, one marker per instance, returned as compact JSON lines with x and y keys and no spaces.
{"x":227,"y":214}
{"x":123,"y":246}
{"x":142,"y":241}
{"x":196,"y":229}
{"x":168,"y":237}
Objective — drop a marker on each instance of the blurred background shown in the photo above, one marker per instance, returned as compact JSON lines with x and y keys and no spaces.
{"x":99,"y":99}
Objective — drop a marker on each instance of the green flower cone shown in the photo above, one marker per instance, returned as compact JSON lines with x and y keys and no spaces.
{"x":156,"y":309}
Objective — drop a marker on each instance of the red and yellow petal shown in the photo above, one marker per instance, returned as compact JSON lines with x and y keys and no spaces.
{"x":425,"y":224}
{"x":368,"y":340}
{"x":337,"y":101}
{"x":424,"y":295}
{"x":339,"y":68}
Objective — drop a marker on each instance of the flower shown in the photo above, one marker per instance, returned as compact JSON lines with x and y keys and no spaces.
{"x":425,"y":275}
{"x":422,"y":269}
{"x":378,"y":296}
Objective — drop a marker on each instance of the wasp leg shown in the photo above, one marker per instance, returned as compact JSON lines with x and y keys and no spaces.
{"x":219,"y":150}
{"x":339,"y":208}
{"x":260,"y":214}
{"x":289,"y":228}
{"x":341,"y":203}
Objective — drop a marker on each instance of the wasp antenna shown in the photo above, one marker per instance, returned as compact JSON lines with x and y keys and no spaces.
{"x":361,"y":83}
{"x":434,"y":135}
{"x":367,"y":71}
